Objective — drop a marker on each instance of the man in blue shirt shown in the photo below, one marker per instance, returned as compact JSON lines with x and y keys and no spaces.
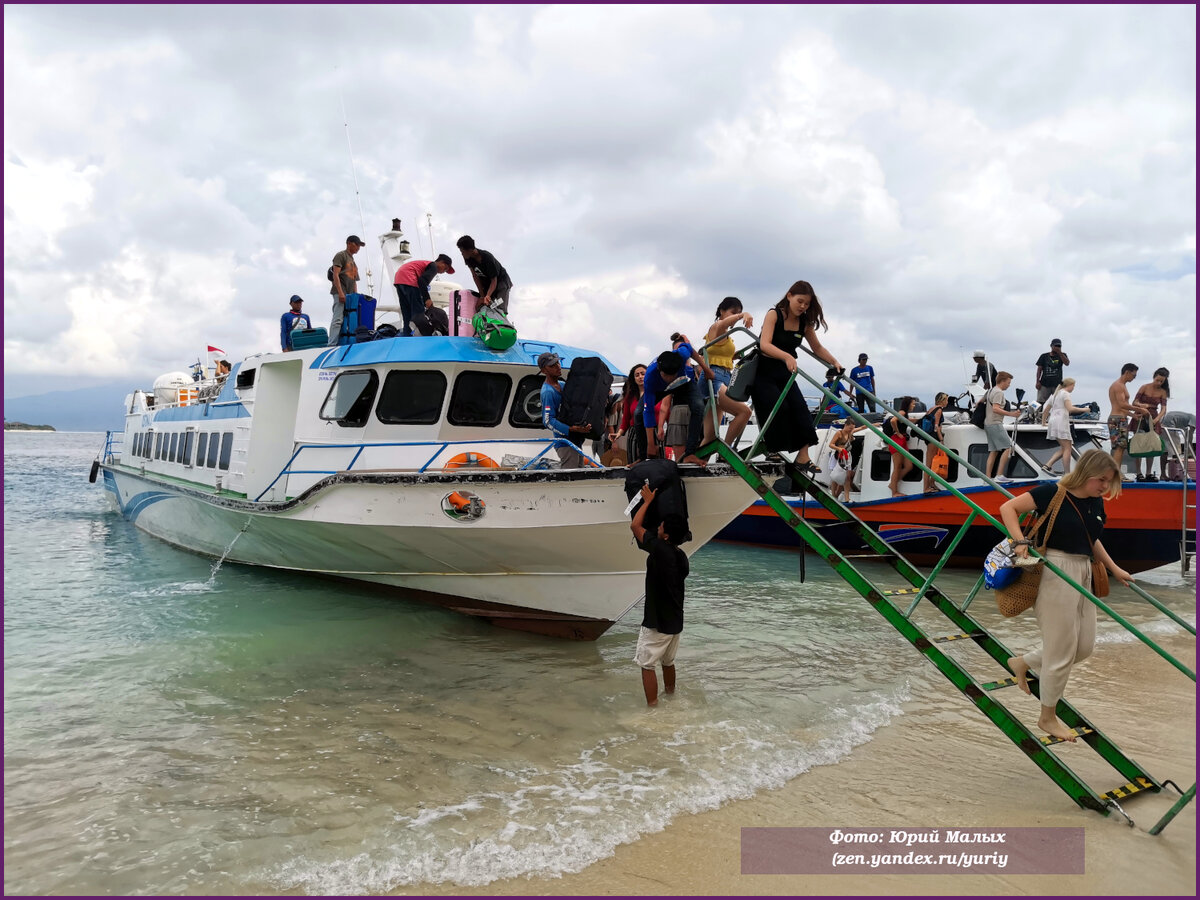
{"x":669,"y":375}
{"x":550,"y":365}
{"x":863,"y":376}
{"x":291,"y":320}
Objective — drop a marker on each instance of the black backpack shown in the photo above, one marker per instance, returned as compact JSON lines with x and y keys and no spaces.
{"x":978,"y":414}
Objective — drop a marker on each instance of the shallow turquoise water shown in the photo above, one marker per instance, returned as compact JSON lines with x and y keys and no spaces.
{"x":170,"y":728}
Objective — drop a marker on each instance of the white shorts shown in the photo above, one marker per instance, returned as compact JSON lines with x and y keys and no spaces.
{"x":655,"y":648}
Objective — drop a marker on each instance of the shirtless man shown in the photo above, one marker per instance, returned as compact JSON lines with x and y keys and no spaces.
{"x":1120,"y":411}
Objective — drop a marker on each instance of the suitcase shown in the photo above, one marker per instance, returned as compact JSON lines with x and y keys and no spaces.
{"x":463,"y":305}
{"x":585,"y":395}
{"x":663,"y":477}
{"x":303,"y":338}
{"x":493,"y":328}
{"x":359,"y":316}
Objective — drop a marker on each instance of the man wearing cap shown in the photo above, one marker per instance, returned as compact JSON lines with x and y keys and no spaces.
{"x":291,"y":320}
{"x":1050,"y":370}
{"x":412,"y":286}
{"x":344,"y":275}
{"x":491,"y":278}
{"x":550,"y":365}
{"x":863,"y":377}
{"x":983,"y":370}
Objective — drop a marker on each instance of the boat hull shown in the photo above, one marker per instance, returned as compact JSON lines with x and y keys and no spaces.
{"x":1142,"y":531}
{"x":551,"y":553}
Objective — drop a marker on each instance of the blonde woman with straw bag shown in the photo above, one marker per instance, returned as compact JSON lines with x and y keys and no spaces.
{"x":1066,"y":618}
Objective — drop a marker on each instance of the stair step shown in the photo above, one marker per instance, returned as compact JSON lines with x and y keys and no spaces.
{"x":1078,"y":732}
{"x":902,"y":591}
{"x":959,"y":637}
{"x":1129,"y":789}
{"x":1006,"y":682}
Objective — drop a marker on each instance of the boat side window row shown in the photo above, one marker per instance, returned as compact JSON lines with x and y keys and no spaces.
{"x":416,"y":397}
{"x":213,"y":451}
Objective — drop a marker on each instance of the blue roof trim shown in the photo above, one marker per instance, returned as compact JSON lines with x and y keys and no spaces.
{"x":444,"y":350}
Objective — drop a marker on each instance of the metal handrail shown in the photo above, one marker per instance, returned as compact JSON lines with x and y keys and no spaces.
{"x":287,"y":469}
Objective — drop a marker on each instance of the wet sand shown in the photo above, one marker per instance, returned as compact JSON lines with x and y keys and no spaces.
{"x":943,"y":764}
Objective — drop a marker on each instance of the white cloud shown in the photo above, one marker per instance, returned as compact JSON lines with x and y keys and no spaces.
{"x":947,"y":177}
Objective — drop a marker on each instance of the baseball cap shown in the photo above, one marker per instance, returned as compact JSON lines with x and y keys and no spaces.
{"x":862,"y":356}
{"x":296,"y":298}
{"x":548,"y":359}
{"x":443,"y":258}
{"x":978,"y":354}
{"x":355,"y":239}
{"x":1056,"y":343}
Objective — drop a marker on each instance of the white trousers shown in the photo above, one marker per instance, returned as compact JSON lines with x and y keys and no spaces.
{"x":1068,"y":623}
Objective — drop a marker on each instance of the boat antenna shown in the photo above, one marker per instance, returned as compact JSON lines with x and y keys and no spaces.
{"x":429,"y":225}
{"x":357,"y":195}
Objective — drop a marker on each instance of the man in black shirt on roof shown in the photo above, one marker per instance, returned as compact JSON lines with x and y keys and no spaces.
{"x":491,"y":279}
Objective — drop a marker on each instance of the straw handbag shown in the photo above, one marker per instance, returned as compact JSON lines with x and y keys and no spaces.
{"x":1021,"y":594}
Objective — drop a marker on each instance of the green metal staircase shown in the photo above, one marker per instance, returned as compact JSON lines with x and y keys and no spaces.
{"x":960,"y":625}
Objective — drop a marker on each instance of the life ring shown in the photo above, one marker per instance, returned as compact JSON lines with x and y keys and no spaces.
{"x":472,"y":461}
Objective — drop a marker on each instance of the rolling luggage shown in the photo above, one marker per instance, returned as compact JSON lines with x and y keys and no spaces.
{"x":463,"y":305}
{"x":303,"y":338}
{"x":585,"y":395}
{"x":359,"y":316}
{"x":663,"y":477}
{"x":493,"y":328}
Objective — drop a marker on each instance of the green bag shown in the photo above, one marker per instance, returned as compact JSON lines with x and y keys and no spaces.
{"x":1146,"y":443}
{"x":493,"y":328}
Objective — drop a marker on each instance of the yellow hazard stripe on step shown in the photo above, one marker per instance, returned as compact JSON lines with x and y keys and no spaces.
{"x":902,"y":591}
{"x":1129,"y":789}
{"x":1077,"y":732}
{"x":957,"y":637}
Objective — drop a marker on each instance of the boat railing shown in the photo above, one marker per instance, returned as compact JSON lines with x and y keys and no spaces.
{"x":113,"y":443}
{"x":1181,"y":448}
{"x":437,"y":449}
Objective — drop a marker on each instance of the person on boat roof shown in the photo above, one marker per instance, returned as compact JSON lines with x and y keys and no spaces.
{"x":291,"y":320}
{"x":344,"y":276}
{"x":550,"y":365}
{"x":491,"y":278}
{"x":863,"y":377}
{"x":983,"y":370}
{"x":412,"y":286}
{"x":1050,"y":370}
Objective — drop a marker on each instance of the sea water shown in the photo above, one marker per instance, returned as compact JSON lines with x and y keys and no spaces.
{"x":172,"y":726}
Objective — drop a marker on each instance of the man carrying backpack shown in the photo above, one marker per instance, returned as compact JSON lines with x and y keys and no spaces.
{"x":999,"y":443}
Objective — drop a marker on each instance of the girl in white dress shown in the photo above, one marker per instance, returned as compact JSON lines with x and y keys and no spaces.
{"x":1057,"y":412}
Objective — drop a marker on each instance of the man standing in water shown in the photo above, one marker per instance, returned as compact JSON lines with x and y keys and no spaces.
{"x":1120,"y":409}
{"x":662,"y":621}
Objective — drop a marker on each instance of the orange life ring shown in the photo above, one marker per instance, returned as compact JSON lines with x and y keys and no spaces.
{"x":472,"y":461}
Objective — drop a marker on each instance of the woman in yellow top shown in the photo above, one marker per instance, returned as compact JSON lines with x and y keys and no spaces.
{"x":720,"y":359}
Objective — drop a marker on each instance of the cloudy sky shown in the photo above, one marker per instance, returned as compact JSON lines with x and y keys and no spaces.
{"x":948,"y":178}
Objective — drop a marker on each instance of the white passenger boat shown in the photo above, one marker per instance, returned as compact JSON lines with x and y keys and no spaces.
{"x":416,"y":463}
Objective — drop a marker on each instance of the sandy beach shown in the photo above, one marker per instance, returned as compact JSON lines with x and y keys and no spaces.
{"x":943,"y":765}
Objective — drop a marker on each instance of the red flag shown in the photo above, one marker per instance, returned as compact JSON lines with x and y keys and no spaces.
{"x":212,"y":349}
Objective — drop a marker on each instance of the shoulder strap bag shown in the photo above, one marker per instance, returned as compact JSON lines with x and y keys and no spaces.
{"x":1021,"y":594}
{"x":1100,"y":586}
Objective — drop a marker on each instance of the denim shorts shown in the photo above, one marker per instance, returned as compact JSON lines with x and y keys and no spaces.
{"x":721,"y":376}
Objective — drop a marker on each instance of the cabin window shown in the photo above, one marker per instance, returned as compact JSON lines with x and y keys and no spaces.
{"x":226,"y":450}
{"x":171,"y":454}
{"x":411,"y":397}
{"x":1040,"y":448}
{"x":147,"y":443}
{"x":137,"y":445}
{"x":350,"y":398}
{"x":185,"y":454}
{"x":201,"y":447}
{"x":158,"y":445}
{"x":245,"y":378}
{"x":526,"y":409}
{"x":479,"y":398}
{"x":977,"y":455}
{"x":881,"y":465}
{"x":214,"y":446}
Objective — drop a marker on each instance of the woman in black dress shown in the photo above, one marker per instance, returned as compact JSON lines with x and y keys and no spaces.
{"x":793,"y":319}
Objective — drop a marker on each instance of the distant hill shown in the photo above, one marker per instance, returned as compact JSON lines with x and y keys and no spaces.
{"x":21,"y":426}
{"x":97,"y":408}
